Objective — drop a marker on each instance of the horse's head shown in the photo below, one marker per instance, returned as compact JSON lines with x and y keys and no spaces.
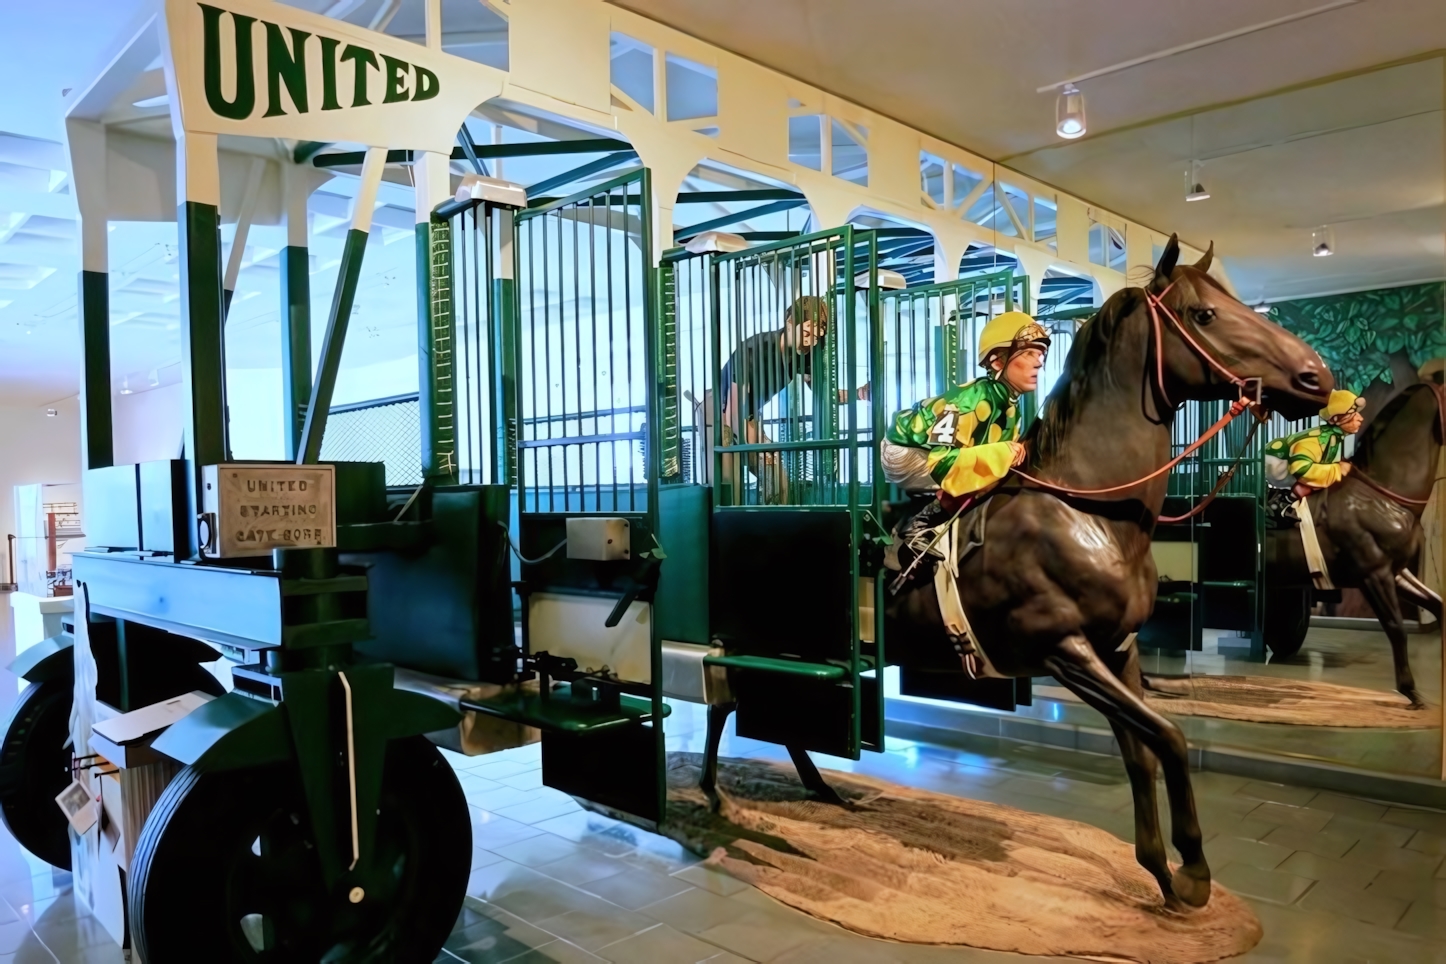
{"x":1294,"y":379}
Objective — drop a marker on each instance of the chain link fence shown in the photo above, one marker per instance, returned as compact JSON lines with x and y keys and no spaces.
{"x":382,"y":430}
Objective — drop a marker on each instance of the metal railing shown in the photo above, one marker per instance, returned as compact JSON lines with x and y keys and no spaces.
{"x":380,"y":430}
{"x":582,"y":350}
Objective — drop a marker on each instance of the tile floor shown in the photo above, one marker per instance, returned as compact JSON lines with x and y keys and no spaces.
{"x":1333,"y":878}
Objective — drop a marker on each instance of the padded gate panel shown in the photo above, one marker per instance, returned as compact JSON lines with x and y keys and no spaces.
{"x":621,"y":769}
{"x":957,"y":687}
{"x":782,"y":583}
{"x":796,"y":712}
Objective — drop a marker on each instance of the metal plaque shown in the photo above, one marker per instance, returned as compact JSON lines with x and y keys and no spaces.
{"x":248,"y":509}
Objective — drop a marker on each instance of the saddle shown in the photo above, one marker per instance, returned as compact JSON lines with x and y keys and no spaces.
{"x":934,"y":554}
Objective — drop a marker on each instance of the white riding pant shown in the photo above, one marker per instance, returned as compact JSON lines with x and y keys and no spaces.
{"x":907,"y":467}
{"x":1277,"y":472}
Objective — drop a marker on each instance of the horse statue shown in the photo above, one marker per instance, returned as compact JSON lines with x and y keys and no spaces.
{"x":1065,"y":574}
{"x":1369,"y":523}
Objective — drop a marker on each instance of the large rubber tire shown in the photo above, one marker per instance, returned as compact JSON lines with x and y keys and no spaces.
{"x":1287,"y":619}
{"x":35,"y":741}
{"x":227,"y":861}
{"x":34,"y":746}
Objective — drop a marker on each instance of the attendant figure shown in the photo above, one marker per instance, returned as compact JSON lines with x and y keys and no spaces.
{"x":757,"y":371}
{"x":960,"y":444}
{"x":1312,"y":459}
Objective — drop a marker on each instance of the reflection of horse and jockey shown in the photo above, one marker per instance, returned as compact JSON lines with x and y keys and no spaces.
{"x":757,"y":372}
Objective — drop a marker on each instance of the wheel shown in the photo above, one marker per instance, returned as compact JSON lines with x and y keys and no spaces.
{"x":35,"y":744}
{"x":36,"y":763}
{"x":1287,"y":618}
{"x":231,"y":855}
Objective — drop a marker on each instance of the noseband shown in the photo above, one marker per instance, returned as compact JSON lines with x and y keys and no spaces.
{"x":1250,"y":393}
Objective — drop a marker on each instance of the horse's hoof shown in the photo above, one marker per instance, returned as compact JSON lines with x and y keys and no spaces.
{"x":1191,"y":885}
{"x":1414,"y":695}
{"x":715,"y":802}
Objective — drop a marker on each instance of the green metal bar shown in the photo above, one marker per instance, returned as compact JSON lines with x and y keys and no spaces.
{"x":597,"y":190}
{"x":834,"y":234}
{"x":589,"y":145}
{"x":504,"y":375}
{"x":331,"y":347}
{"x":295,"y":342}
{"x":723,"y":221}
{"x":201,"y":333}
{"x":759,"y":194}
{"x":784,"y":667}
{"x":435,"y":351}
{"x":97,"y":444}
{"x":592,"y":167}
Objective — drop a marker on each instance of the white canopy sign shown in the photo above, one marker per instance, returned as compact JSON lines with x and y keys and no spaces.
{"x":261,"y":69}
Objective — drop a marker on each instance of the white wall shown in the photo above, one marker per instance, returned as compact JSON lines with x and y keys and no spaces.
{"x":35,"y":448}
{"x":147,"y":425}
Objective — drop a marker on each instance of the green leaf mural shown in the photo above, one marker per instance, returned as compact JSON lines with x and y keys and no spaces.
{"x":1358,"y":333}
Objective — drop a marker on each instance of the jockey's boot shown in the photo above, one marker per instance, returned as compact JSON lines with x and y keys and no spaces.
{"x":917,"y":532}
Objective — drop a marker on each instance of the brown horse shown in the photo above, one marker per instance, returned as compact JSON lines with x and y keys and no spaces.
{"x":1370,"y":537}
{"x":1063,"y":580}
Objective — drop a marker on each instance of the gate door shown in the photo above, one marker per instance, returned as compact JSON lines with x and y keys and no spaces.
{"x":587,"y":469}
{"x":793,"y":463}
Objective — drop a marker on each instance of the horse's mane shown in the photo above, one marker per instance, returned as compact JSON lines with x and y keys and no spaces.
{"x":1088,"y":356}
{"x":1381,"y":424}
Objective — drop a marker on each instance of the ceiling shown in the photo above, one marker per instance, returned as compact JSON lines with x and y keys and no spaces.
{"x":1296,"y":125}
{"x":1293,"y":125}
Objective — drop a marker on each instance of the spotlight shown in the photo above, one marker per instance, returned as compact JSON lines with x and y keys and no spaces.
{"x":1194,"y":190}
{"x":1262,"y":308}
{"x":51,"y":413}
{"x":1323,"y":242}
{"x":1069,"y":113}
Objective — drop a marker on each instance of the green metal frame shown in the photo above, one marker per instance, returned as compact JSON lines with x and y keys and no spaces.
{"x":829,"y":441}
{"x":631,"y":738}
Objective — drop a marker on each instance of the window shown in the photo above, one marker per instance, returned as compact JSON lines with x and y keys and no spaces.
{"x":1016,"y":208}
{"x":988,"y":212}
{"x":632,"y":69}
{"x":805,"y":141}
{"x":692,"y":89}
{"x":1046,"y":221}
{"x":1107,"y":246}
{"x":964,"y":183}
{"x":931,"y":176}
{"x":850,"y":155}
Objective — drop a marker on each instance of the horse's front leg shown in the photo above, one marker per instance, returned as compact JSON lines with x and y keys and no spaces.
{"x":1379,"y":588}
{"x":708,"y":780}
{"x":1076,"y":665}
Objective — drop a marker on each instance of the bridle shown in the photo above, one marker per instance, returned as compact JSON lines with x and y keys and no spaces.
{"x":1440,"y":393}
{"x":1250,"y":396}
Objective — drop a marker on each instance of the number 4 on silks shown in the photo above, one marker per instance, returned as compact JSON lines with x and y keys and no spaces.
{"x":943,"y":431}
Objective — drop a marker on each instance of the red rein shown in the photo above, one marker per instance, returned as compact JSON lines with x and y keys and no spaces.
{"x":1157,"y":307}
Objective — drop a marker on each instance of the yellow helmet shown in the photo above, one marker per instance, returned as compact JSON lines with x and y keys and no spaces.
{"x":1342,"y":402}
{"x":1013,"y":330}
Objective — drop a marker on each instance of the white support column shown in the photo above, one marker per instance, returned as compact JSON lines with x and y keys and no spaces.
{"x":243,"y":229}
{"x":432,"y":177}
{"x":434,"y":24}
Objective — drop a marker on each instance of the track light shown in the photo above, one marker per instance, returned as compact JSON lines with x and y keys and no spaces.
{"x":1194,"y":189}
{"x":1069,"y":113}
{"x":1323,"y":242}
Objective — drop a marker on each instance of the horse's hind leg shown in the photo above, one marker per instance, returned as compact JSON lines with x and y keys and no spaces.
{"x":708,"y":782}
{"x":1076,"y":665}
{"x":811,"y":778}
{"x":1422,"y":594}
{"x":1379,"y":588}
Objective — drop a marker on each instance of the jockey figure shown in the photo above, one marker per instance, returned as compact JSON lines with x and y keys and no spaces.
{"x":966,"y":440}
{"x":1312,"y":459}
